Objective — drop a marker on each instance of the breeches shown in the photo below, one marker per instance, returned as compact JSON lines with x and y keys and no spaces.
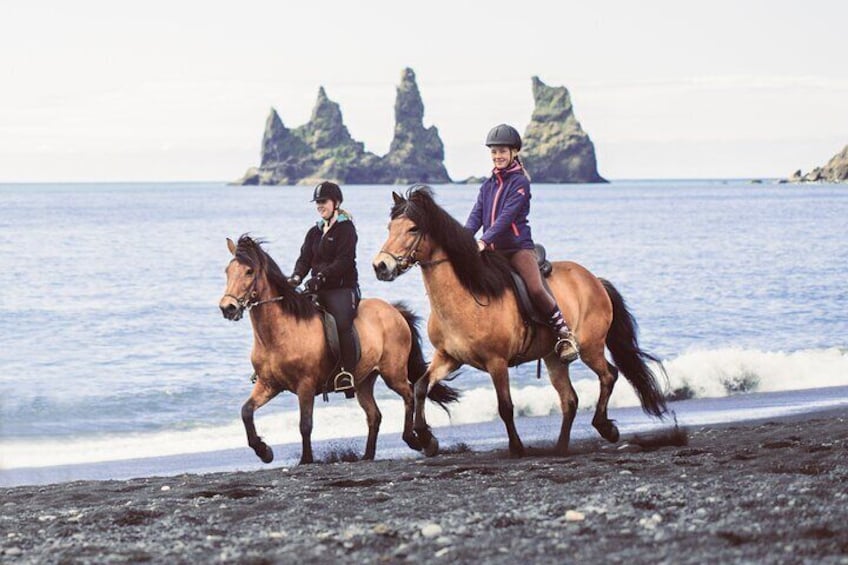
{"x":342,"y":303}
{"x":524,"y":261}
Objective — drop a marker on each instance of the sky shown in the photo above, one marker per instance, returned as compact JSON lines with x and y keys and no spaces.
{"x":179,"y":90}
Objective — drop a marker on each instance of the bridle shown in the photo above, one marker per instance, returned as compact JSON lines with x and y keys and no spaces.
{"x":247,"y":301}
{"x":407,"y":260}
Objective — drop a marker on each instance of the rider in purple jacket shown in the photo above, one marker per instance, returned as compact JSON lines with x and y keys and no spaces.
{"x":502,"y":206}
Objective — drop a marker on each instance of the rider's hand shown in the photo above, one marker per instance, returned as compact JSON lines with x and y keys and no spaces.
{"x":315,"y":283}
{"x":481,"y":245}
{"x":293,"y":281}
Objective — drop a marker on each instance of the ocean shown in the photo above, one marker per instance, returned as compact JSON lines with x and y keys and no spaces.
{"x":116,"y":360}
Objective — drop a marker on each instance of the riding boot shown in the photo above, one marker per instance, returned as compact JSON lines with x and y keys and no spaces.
{"x":566,"y":346}
{"x":344,"y":380}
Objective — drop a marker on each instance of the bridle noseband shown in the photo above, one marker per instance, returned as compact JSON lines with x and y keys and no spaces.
{"x":407,"y":260}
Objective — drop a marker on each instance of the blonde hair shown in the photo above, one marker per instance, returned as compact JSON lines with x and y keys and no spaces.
{"x":520,"y":164}
{"x":346,"y":213}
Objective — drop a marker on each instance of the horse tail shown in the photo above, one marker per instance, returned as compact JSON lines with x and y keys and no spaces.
{"x":630,"y":359}
{"x":416,"y":366}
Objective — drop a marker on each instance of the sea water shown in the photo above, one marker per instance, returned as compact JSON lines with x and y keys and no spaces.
{"x":114,"y":348}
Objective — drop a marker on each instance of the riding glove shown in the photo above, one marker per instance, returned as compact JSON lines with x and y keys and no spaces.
{"x":293,"y":281}
{"x":315,"y":283}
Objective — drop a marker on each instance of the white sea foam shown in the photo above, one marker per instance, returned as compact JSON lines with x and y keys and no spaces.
{"x":704,"y":374}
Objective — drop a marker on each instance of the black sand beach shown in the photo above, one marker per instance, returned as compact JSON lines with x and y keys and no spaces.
{"x":773,"y":491}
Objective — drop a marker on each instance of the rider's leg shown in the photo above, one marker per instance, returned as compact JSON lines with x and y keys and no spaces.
{"x":524,"y":261}
{"x":341,"y":303}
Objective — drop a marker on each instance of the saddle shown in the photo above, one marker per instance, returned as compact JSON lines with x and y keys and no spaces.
{"x":528,"y":311}
{"x":338,"y":380}
{"x":525,"y":305}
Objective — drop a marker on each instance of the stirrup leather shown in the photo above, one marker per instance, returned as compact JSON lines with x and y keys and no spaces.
{"x":343,"y":381}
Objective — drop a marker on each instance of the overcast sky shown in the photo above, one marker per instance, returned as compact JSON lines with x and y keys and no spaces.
{"x":179,"y":90}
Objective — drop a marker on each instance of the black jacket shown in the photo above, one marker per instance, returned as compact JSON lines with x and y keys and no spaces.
{"x":331,"y":254}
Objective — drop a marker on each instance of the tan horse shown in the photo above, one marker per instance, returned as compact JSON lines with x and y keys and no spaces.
{"x":475,"y":320}
{"x":290,"y":351}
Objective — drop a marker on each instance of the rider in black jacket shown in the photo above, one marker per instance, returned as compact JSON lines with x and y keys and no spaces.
{"x":329,"y":253}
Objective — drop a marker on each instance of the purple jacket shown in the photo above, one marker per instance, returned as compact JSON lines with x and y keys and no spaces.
{"x":502,"y":206}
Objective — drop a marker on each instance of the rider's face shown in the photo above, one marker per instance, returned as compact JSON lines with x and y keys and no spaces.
{"x":501,"y":156}
{"x":325,"y":208}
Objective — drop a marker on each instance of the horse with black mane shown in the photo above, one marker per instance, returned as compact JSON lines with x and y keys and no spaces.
{"x":475,"y":319}
{"x":290,"y":351}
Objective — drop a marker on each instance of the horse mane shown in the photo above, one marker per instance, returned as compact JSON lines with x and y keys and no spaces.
{"x":486,"y":274}
{"x":249,"y":252}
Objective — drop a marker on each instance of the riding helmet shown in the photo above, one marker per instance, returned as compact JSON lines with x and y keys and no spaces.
{"x":503,"y":134}
{"x":327,"y":191}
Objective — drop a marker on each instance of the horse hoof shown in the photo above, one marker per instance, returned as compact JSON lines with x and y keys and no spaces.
{"x":412,"y":442}
{"x":432,"y":448}
{"x":517,"y":452}
{"x":267,"y":455}
{"x":610,"y":432}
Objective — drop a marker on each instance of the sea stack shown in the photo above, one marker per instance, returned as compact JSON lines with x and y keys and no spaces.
{"x":416,"y":153}
{"x":323,"y":148}
{"x":556,"y":149}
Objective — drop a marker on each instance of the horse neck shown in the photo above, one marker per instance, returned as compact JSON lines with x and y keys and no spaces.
{"x":270,"y":323}
{"x":446,"y":293}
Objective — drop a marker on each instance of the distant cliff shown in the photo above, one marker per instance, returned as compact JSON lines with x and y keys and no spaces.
{"x":556,"y":149}
{"x":836,"y":170}
{"x":323,"y":148}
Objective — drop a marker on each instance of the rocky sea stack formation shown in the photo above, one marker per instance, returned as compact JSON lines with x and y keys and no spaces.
{"x":836,"y":170}
{"x":323,"y":149}
{"x":416,"y":154}
{"x":556,"y":149}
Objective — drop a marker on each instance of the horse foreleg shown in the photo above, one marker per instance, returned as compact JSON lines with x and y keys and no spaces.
{"x":260,"y":395}
{"x":561,"y":382}
{"x":306,"y":401}
{"x":440,"y":367}
{"x":500,"y":378}
{"x":607,"y":375}
{"x":365,"y":396}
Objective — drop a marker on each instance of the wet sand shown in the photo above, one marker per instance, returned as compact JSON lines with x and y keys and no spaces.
{"x":773,"y":491}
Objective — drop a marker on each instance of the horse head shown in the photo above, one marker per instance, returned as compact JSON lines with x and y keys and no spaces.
{"x":254,"y":279}
{"x":245,"y":280}
{"x":408,"y":243}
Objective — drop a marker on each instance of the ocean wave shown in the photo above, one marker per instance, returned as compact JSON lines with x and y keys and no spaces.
{"x":694,"y":374}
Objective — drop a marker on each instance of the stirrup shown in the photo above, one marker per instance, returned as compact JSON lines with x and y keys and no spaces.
{"x":343,"y":382}
{"x":566,"y":348}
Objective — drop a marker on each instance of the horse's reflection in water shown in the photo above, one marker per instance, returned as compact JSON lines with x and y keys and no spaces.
{"x":291,"y":353}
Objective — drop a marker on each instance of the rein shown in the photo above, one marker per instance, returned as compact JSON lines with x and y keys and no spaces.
{"x":407,"y":260}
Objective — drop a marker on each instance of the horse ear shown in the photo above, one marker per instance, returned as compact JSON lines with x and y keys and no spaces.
{"x":397,"y":197}
{"x":231,"y":246}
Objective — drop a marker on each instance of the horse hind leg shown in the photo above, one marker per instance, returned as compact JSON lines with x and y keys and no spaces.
{"x":607,"y":376}
{"x":561,"y":381}
{"x":365,"y":396}
{"x":260,"y":396}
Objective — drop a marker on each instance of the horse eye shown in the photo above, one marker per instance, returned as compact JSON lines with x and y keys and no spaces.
{"x":414,"y":229}
{"x":249,"y":272}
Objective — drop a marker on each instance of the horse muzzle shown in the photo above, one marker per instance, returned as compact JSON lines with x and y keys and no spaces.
{"x":384,"y":272}
{"x":231,"y":311}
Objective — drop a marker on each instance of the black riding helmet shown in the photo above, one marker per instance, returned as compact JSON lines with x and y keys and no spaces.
{"x":327,"y":191}
{"x":504,"y":134}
